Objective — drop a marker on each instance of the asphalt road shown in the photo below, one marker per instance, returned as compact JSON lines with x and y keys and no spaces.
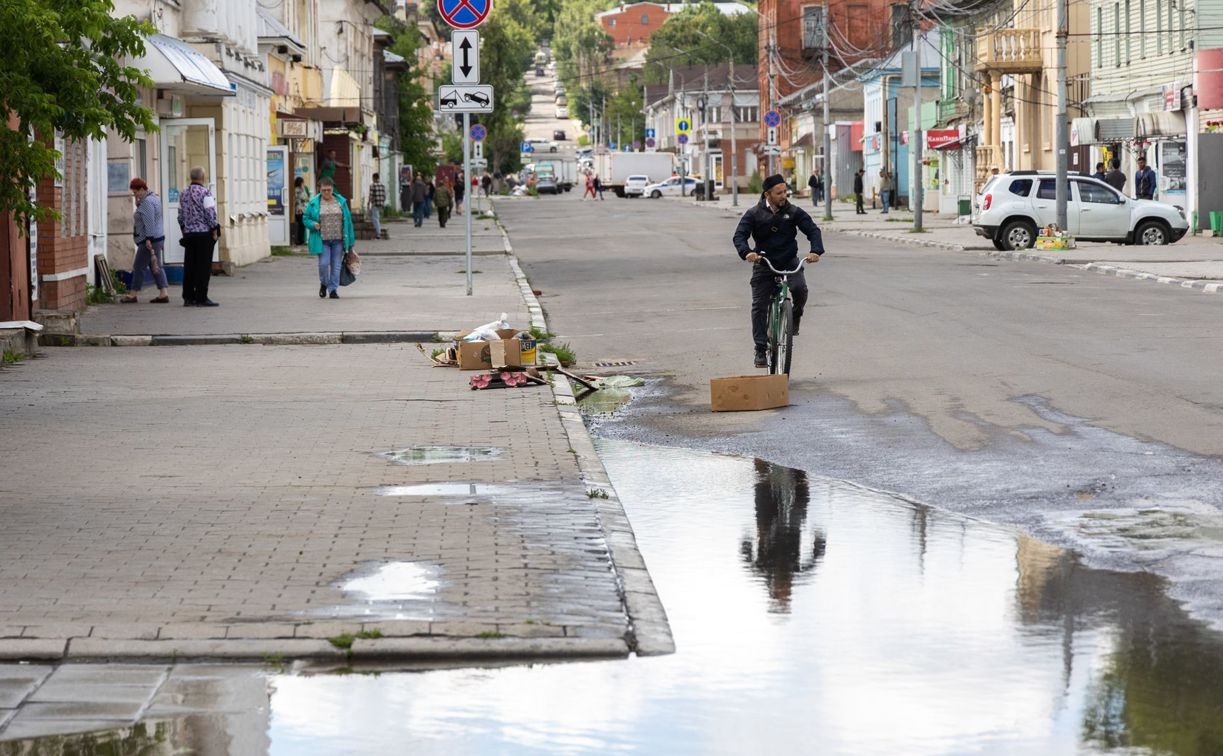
{"x":1021,"y":392}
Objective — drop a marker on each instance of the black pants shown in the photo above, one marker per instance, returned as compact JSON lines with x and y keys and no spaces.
{"x":858,"y":203}
{"x":299,"y":229}
{"x":764,"y":286}
{"x":443,"y":215}
{"x":197,"y":266}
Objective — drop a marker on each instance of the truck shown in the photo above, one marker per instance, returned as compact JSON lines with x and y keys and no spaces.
{"x":614,"y":167}
{"x":565,"y":171}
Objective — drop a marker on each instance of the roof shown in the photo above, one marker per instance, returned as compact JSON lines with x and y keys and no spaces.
{"x":177,"y":66}
{"x":270,"y":30}
{"x":726,"y":9}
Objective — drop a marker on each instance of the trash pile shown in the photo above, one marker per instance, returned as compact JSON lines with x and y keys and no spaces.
{"x":1052,"y":237}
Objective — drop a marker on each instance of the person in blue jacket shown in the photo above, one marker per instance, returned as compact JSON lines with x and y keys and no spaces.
{"x":329,"y":222}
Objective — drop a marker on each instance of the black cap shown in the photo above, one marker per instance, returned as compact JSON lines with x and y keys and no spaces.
{"x":773,"y":181}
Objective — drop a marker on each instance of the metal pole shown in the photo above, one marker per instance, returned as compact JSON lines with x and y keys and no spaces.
{"x":466,"y":173}
{"x":705,"y":177}
{"x":734,"y":150}
{"x":1061,"y":131}
{"x":772,"y":88}
{"x":917,"y":135}
{"x":826,"y":167}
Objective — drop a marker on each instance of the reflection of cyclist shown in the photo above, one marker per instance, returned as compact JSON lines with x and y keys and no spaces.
{"x":782,"y":495}
{"x":774,"y":225}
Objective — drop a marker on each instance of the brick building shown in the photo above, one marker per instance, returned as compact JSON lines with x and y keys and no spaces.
{"x":633,"y":24}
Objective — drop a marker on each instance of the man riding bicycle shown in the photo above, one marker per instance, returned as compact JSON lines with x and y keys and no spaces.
{"x":774,"y":225}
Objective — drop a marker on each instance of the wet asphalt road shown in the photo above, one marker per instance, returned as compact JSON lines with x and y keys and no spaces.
{"x":1085,"y":408}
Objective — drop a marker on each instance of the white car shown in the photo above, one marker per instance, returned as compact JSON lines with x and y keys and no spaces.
{"x":553,"y":146}
{"x":562,"y":111}
{"x":671,"y":187}
{"x":1013,"y":206}
{"x":635,"y":185}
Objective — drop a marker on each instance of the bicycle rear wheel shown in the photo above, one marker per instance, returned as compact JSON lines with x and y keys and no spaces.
{"x":782,"y":353}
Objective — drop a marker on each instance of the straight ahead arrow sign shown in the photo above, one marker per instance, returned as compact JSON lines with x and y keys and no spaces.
{"x":465,"y":57}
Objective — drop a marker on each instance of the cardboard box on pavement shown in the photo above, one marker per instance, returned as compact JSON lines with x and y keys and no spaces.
{"x":474,"y":355}
{"x":506,"y":353}
{"x":749,"y":392}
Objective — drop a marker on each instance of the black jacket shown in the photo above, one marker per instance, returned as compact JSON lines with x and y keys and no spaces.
{"x":1115,"y":179}
{"x":857,"y":183}
{"x":776,"y":235}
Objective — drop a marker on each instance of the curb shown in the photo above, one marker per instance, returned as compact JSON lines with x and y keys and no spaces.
{"x":1185,"y":283}
{"x":649,"y":631}
{"x":227,"y":339}
{"x":917,"y":242}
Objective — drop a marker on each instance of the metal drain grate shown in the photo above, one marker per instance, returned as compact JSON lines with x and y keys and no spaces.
{"x":614,"y":363}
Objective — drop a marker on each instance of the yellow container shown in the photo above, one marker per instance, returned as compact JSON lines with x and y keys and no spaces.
{"x":529,"y":350}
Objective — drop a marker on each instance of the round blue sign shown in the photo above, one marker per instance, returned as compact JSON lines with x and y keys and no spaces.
{"x":772,"y":118}
{"x":649,"y":142}
{"x":682,"y":139}
{"x":478,"y":132}
{"x":464,"y":14}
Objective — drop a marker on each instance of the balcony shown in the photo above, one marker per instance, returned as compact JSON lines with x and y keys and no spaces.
{"x":988,"y":158}
{"x":1010,"y":51}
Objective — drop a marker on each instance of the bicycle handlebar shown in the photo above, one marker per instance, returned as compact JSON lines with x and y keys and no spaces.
{"x":766,"y":261}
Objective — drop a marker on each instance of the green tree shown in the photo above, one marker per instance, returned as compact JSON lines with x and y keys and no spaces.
{"x":415,"y":105}
{"x":507,"y":48}
{"x":700,"y":34}
{"x":580,"y":43}
{"x":61,"y":73}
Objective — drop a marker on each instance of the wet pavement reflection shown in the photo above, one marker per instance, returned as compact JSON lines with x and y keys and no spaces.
{"x":813,"y":615}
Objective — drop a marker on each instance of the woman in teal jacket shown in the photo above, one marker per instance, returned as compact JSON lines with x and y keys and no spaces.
{"x":329,"y":222}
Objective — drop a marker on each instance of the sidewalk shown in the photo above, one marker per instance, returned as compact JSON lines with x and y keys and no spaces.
{"x":1193,"y":262}
{"x":246,"y":501}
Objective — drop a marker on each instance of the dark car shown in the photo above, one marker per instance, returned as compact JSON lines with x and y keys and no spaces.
{"x":477,"y":97}
{"x":558,"y":135}
{"x":539,"y":71}
{"x":450,"y":101}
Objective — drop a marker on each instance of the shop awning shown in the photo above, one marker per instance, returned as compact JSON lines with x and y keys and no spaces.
{"x":178,"y":67}
{"x":330,"y":115}
{"x":1161,"y":123}
{"x":1082,"y":131}
{"x":1115,"y":129}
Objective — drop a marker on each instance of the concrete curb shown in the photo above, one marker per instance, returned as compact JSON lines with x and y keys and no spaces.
{"x":916,"y":241}
{"x":228,"y":339}
{"x":1209,"y":287}
{"x":649,"y":630}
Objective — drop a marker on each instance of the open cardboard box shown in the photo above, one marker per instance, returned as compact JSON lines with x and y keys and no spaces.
{"x":749,"y":392}
{"x":485,"y":355}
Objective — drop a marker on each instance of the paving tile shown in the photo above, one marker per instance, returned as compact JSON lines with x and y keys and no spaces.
{"x":94,"y":711}
{"x":108,"y":674}
{"x":22,"y":729}
{"x":59,"y":691}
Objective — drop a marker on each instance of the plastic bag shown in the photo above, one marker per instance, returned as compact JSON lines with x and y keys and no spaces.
{"x":488,"y":331}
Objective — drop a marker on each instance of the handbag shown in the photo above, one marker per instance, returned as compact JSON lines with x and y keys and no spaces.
{"x":350,"y":269}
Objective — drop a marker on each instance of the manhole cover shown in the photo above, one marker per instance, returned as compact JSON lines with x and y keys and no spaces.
{"x":614,"y":363}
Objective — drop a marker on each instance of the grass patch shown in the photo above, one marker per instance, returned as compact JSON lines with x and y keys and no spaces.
{"x":489,"y":634}
{"x":899,"y":220}
{"x":95,"y":295}
{"x":245,"y":339}
{"x":282,"y":252}
{"x":344,"y":640}
{"x":10,"y":357}
{"x":540,"y":334}
{"x":919,"y":231}
{"x":274,"y":660}
{"x":562,"y":351}
{"x":437,"y":353}
{"x":596,"y":493}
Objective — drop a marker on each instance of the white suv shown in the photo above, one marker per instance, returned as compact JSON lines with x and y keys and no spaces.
{"x":634,"y":186}
{"x":1013,"y":206}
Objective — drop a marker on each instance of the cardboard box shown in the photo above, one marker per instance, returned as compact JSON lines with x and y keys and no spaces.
{"x":506,"y":353}
{"x":749,"y":392}
{"x":474,"y":355}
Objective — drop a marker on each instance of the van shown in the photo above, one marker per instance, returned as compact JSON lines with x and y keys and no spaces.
{"x":562,"y":99}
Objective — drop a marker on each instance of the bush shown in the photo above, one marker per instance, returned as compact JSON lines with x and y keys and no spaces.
{"x":755,"y":184}
{"x":583,"y":140}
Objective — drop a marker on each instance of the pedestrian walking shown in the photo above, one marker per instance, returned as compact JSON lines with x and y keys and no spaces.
{"x":816,"y":183}
{"x":590,"y":187}
{"x":301,"y":198}
{"x":377,"y":198}
{"x":331,"y":235}
{"x":443,"y":200}
{"x":858,"y":189}
{"x":774,"y":225}
{"x":1144,"y":181}
{"x":430,"y":188}
{"x":1099,"y":174}
{"x":460,"y":191}
{"x":148,"y":231}
{"x":1115,"y":178}
{"x":486,"y":183}
{"x":405,"y":190}
{"x":598,"y":186}
{"x":329,"y":167}
{"x":420,"y":195}
{"x":197,"y":220}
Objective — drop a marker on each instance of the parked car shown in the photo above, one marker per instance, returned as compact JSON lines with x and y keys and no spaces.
{"x":558,"y":135}
{"x":562,"y":111}
{"x":553,"y":146}
{"x":536,"y":140}
{"x":672,"y":187}
{"x":634,"y":186}
{"x":561,"y":99}
{"x":539,"y":71}
{"x":1014,"y":206}
{"x":547,"y":184}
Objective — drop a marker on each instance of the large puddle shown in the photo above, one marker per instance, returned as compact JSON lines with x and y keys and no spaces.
{"x":814,"y":616}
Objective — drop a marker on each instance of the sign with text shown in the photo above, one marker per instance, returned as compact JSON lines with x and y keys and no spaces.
{"x":936,"y":139}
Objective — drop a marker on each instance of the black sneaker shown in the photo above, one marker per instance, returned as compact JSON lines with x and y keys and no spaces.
{"x":190,"y":303}
{"x":761,"y":360}
{"x":335,"y":295}
{"x":794,"y":332}
{"x":322,"y":290}
{"x":208,"y":303}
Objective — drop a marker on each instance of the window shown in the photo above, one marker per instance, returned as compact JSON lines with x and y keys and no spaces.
{"x":1021,"y":187}
{"x":1048,"y":189}
{"x":1171,"y":42}
{"x":813,"y":26}
{"x":1089,"y":192}
{"x":1116,"y":34}
{"x":1159,"y":26}
{"x":1099,"y":37}
{"x":1128,"y":15}
{"x":645,"y":19}
{"x":611,"y":22}
{"x":1142,"y":28}
{"x":748,"y":114}
{"x":1184,"y":25}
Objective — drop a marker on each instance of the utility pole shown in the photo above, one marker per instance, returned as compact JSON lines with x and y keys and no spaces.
{"x":1060,"y":131}
{"x":917,"y":135}
{"x":706,"y":179}
{"x":734,"y":151}
{"x":827,"y":162}
{"x":602,"y":117}
{"x":772,"y":84}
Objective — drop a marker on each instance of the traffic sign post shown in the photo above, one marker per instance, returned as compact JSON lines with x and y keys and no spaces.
{"x":478,"y":132}
{"x":682,"y":126}
{"x":465,"y":98}
{"x":682,"y":139}
{"x":772,"y":118}
{"x":526,"y":148}
{"x":465,"y":57}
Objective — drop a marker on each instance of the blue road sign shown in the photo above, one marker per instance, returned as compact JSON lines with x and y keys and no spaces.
{"x":478,"y":132}
{"x":526,"y":147}
{"x":464,"y":14}
{"x":772,"y":118}
{"x":682,"y":139}
{"x":649,"y":142}
{"x":649,"y":134}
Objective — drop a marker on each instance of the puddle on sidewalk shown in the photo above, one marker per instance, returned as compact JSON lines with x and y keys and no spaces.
{"x":437,"y":455}
{"x":812,"y":615}
{"x":397,"y":581}
{"x":446,"y":490}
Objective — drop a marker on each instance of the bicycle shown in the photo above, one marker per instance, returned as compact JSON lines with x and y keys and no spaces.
{"x":780,"y":347}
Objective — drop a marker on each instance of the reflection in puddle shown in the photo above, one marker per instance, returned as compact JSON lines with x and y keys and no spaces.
{"x":436,"y":455}
{"x":811,"y":614}
{"x":446,"y":489}
{"x":397,"y":581}
{"x":605,"y":401}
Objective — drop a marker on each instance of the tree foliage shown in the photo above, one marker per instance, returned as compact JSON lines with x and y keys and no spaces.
{"x":700,"y":34}
{"x":415,"y":105}
{"x":507,"y":47}
{"x":62,"y":73}
{"x":579,"y":43}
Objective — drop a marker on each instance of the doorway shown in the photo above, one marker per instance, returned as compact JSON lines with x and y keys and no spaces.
{"x":185,"y":143}
{"x":278,"y":195}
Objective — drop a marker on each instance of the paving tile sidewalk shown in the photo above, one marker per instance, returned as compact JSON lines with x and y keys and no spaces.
{"x":218,"y":502}
{"x":1193,"y":262}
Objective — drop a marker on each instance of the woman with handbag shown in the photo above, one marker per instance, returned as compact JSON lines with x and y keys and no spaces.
{"x":148,"y":230}
{"x":329,"y":222}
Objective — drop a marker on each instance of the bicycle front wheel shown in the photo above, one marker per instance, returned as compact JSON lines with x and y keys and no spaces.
{"x":782,"y":340}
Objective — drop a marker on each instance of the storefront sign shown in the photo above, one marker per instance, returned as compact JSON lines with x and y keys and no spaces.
{"x":291,"y":127}
{"x":304,"y":146}
{"x":936,"y":139}
{"x":1172,"y":97}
